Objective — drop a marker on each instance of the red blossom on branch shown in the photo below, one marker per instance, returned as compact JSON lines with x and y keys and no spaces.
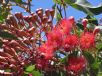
{"x":87,"y":40}
{"x":76,"y":65}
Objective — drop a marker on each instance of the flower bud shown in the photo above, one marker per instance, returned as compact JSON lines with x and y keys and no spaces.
{"x":72,"y":20}
{"x":96,"y":30}
{"x":84,"y":22}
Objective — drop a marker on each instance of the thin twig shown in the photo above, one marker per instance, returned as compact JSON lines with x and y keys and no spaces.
{"x":60,"y":11}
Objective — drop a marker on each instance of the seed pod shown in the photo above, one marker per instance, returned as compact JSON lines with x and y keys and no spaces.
{"x":52,"y":13}
{"x":32,"y":13}
{"x":6,"y":74}
{"x":3,"y":26}
{"x":19,"y":15}
{"x":8,"y":21}
{"x":44,"y":19}
{"x":26,"y":41}
{"x":3,"y":59}
{"x":22,"y":33}
{"x":15,"y":44}
{"x":47,"y":12}
{"x":13,"y":61}
{"x":8,"y":50}
{"x":4,"y":54}
{"x":32,"y":19}
{"x":21,"y":23}
{"x":36,"y":19}
{"x":25,"y":18}
{"x":14,"y":22}
{"x":49,"y":22}
{"x":4,"y":65}
{"x":32,"y":30}
{"x":13,"y":67}
{"x":40,"y":10}
{"x":40,"y":14}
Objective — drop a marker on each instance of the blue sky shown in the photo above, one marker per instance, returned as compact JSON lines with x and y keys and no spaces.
{"x":47,"y":4}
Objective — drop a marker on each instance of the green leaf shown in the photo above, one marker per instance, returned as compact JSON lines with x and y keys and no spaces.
{"x":30,"y":68}
{"x":96,"y":65}
{"x":52,"y":73}
{"x":89,"y":57}
{"x":80,"y":26}
{"x":93,"y":21}
{"x":8,"y":70}
{"x":26,"y":73}
{"x":93,"y":72}
{"x":3,"y":14}
{"x":36,"y":73}
{"x":58,"y":17}
{"x":53,"y":7}
{"x":99,"y":46}
{"x":18,"y":1}
{"x":69,"y":1}
{"x":57,"y":1}
{"x":85,"y":6}
{"x":94,"y":68}
{"x":63,"y":60}
{"x":7,"y":35}
{"x":100,"y":74}
{"x":63,"y":73}
{"x":1,"y":18}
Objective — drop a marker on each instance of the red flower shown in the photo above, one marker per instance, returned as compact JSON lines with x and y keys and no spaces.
{"x":70,"y":42}
{"x":65,"y":26}
{"x":87,"y":40}
{"x":55,"y":38}
{"x":76,"y":65}
{"x":47,"y":51}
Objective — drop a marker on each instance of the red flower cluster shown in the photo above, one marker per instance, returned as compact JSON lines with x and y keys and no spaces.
{"x":55,"y":38}
{"x":61,"y":37}
{"x":76,"y":65}
{"x":65,"y":26}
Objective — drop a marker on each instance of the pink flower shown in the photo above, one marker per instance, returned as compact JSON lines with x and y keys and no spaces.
{"x":65,"y":26}
{"x":76,"y":65}
{"x":55,"y":38}
{"x":46,"y":50}
{"x":70,"y":42}
{"x":87,"y":40}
